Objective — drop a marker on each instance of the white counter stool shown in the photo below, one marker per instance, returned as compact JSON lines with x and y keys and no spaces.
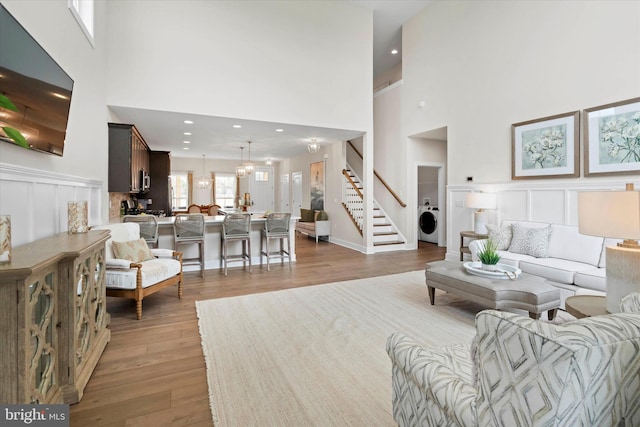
{"x":276,"y":227}
{"x":189,"y":229}
{"x":148,"y":227}
{"x":236,"y":227}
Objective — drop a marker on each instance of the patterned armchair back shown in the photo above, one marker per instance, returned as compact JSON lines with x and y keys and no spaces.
{"x":584,"y":372}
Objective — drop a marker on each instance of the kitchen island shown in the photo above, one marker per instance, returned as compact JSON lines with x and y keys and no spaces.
{"x":212,"y":241}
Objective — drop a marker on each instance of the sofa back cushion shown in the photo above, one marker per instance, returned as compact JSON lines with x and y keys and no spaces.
{"x":120,"y":232}
{"x":567,"y":243}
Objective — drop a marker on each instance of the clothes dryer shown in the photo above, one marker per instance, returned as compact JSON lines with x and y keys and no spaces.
{"x":428,"y":219}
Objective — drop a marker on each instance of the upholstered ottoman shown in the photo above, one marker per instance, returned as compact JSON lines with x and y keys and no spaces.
{"x":528,"y":292}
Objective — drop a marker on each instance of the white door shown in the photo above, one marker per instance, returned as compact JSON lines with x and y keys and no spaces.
{"x":262,"y":189}
{"x":296,"y":196}
{"x":284,"y":193}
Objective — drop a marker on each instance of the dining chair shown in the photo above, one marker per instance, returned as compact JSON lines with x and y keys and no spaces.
{"x":276,"y":227}
{"x":148,"y":227}
{"x":193,"y":209}
{"x":189,"y":229}
{"x":214,"y":210}
{"x":236,"y":227}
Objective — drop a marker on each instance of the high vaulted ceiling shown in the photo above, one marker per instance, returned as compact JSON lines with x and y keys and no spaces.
{"x":164,"y":131}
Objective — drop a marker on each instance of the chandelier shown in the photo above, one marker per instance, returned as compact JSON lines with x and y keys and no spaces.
{"x":249,"y":167}
{"x":203,"y":182}
{"x":313,"y":146}
{"x":241,"y":170}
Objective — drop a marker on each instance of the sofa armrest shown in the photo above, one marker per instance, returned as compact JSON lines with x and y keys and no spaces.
{"x":323,"y":228}
{"x":475,"y":246}
{"x":119,"y":263}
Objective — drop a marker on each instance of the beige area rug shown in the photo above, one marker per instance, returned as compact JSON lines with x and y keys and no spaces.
{"x":315,"y":356}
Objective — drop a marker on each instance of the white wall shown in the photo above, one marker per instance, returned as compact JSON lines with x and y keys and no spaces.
{"x":49,"y":181}
{"x":291,"y":62}
{"x":481,"y":66}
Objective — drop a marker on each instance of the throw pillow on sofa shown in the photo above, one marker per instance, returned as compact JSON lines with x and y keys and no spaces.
{"x":322,"y":216}
{"x":530,"y":241}
{"x":306,"y":215}
{"x":133,"y":250}
{"x":501,"y":236}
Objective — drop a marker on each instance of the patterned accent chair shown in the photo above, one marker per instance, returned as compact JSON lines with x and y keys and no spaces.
{"x":523,"y":372}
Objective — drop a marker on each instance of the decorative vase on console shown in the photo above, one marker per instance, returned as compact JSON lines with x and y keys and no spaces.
{"x":5,"y":239}
{"x":77,"y":217}
{"x":489,"y":256}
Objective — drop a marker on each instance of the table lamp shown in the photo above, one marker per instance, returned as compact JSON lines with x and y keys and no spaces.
{"x":480,"y":201}
{"x":615,"y":214}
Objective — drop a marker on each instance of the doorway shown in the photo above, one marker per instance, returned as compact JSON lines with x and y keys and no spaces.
{"x":296,"y":193}
{"x":261,"y":188}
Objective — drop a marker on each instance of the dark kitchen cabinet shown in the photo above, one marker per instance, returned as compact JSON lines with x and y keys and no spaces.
{"x":160,"y":163}
{"x":128,"y":159}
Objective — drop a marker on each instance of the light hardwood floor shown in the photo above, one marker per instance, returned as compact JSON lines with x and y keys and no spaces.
{"x":153,"y":371}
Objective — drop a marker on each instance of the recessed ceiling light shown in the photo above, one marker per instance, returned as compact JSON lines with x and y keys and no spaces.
{"x":185,"y":148}
{"x":187,"y":133}
{"x":394,"y":51}
{"x":189,"y":122}
{"x":186,"y":142}
{"x":237,"y":126}
{"x":279,"y":130}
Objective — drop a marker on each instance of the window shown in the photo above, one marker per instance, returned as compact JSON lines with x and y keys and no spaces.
{"x":262,"y":176}
{"x":179,"y":191}
{"x":225,"y":190}
{"x":82,"y":10}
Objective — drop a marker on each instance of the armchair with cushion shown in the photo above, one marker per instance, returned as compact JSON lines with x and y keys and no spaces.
{"x":523,"y":372}
{"x":133,"y":270}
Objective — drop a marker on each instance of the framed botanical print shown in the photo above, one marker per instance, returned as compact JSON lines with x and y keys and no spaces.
{"x":612,"y":139}
{"x":316,"y":177}
{"x":546,"y":148}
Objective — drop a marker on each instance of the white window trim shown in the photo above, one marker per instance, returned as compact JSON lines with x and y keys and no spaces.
{"x":76,"y":14}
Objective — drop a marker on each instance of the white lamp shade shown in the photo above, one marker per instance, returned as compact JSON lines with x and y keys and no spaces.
{"x":613,"y":214}
{"x":481,"y":200}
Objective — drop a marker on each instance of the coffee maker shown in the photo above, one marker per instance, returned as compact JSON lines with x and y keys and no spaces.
{"x":129,"y":207}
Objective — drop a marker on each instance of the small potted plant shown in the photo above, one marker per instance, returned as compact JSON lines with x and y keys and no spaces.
{"x":489,"y":256}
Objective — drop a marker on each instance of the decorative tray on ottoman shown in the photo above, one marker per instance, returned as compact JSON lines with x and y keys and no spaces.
{"x":503,"y":271}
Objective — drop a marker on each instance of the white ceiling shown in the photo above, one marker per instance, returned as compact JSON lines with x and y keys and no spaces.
{"x":216,"y":137}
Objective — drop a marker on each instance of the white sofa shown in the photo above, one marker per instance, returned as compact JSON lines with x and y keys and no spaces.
{"x":574,"y":262}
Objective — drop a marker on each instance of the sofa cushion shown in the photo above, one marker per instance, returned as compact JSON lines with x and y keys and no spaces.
{"x":501,"y":236}
{"x":153,"y":271}
{"x":558,"y":270}
{"x":306,"y":215}
{"x":132,"y":250}
{"x":593,"y":278}
{"x":321,"y":216}
{"x":530,"y":241}
{"x":567,"y":243}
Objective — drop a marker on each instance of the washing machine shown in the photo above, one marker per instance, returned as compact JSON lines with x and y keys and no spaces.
{"x":428,"y":219}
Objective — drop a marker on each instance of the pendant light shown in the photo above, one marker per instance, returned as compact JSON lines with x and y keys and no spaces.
{"x":313,"y":146}
{"x":249,"y":167}
{"x":241,"y":171}
{"x":203,"y":182}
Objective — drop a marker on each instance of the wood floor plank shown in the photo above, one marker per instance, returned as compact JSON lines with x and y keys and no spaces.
{"x":153,"y":371}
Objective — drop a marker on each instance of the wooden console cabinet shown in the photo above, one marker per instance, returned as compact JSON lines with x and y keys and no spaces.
{"x":53,"y":318}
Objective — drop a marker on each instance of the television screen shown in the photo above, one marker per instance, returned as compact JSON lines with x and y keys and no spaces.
{"x":35,"y":91}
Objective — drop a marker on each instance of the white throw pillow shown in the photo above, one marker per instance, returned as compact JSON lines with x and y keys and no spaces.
{"x":530,"y":241}
{"x":501,"y":236}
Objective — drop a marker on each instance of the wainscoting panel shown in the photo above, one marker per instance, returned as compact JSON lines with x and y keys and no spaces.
{"x":548,"y":206}
{"x":554,"y":202}
{"x":37,"y":201}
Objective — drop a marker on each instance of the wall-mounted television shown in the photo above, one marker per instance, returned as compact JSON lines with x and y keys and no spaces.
{"x":36,"y":85}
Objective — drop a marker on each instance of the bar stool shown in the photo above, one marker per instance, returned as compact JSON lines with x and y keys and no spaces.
{"x":276,"y":226}
{"x":148,"y":227}
{"x":189,"y":229}
{"x":236,"y":227}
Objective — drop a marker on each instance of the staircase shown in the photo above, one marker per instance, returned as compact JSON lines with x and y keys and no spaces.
{"x":386,"y":236}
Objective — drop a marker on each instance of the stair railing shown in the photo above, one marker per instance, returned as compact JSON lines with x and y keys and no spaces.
{"x":353,"y":201}
{"x":377,"y":175}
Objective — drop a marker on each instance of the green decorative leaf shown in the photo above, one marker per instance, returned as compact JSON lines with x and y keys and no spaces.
{"x":15,"y":136}
{"x":6,"y":103}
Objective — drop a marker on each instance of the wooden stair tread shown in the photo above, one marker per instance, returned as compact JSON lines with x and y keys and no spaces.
{"x":382,"y":225}
{"x":385,"y":233}
{"x":399,"y":242}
